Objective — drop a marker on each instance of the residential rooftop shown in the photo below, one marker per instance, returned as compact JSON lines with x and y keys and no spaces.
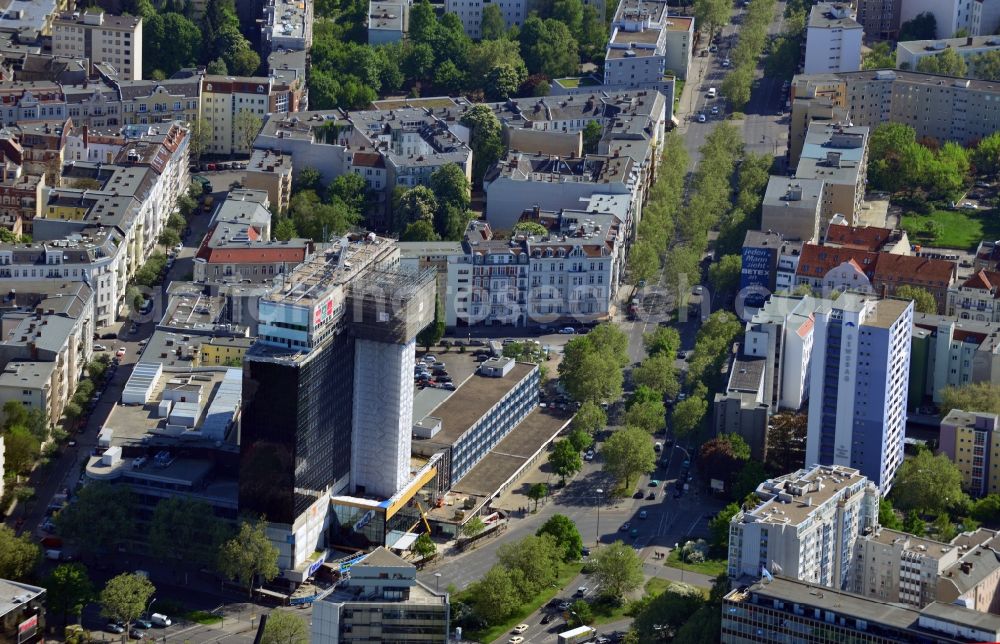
{"x":792,"y":498}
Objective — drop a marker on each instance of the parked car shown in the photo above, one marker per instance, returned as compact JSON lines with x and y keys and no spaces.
{"x":159,"y":619}
{"x":726,"y":63}
{"x":520,"y":628}
{"x":100,"y":347}
{"x":651,"y":496}
{"x":120,"y":353}
{"x":643,"y":514}
{"x":581,"y":591}
{"x":547,"y":618}
{"x":112,"y":627}
{"x":450,"y":386}
{"x":715,"y":109}
{"x":430,"y":359}
{"x":517,"y":639}
{"x":702,"y":118}
{"x":625,"y":526}
{"x":567,"y":330}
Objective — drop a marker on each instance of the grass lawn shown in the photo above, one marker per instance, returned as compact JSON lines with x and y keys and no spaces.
{"x":710,"y":567}
{"x":203,"y":617}
{"x":566,"y":573}
{"x":568,"y":82}
{"x":961,"y":229}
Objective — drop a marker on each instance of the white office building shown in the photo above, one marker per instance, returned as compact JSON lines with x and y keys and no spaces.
{"x":806,"y":526}
{"x":646,"y":42}
{"x":858,"y":385}
{"x":833,"y":39}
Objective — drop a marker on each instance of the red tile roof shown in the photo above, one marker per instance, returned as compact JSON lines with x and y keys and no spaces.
{"x":865,"y":238}
{"x":368,"y":160}
{"x":984,"y":280}
{"x":918,"y":271}
{"x":816,"y":261}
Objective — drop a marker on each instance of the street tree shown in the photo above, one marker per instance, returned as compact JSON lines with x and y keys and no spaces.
{"x":102,"y":516}
{"x":246,"y":126}
{"x":657,"y":372}
{"x":21,"y":449}
{"x":185,"y":530}
{"x":628,"y":453}
{"x":537,"y":492}
{"x":424,"y":545}
{"x":473,"y":527}
{"x":249,"y":555}
{"x":536,"y":557}
{"x":724,"y":274}
{"x":200,"y":137}
{"x":927,"y":483}
{"x":663,"y":339}
{"x":643,"y":261}
{"x":580,"y":440}
{"x":68,"y":589}
{"x":566,"y":534}
{"x":590,"y":418}
{"x":565,"y":460}
{"x":648,"y":416}
{"x":495,"y":596}
{"x":923,"y":301}
{"x":168,"y":238}
{"x":284,"y":627}
{"x":688,"y":414}
{"x":712,"y":13}
{"x":617,"y":570}
{"x":503,"y":81}
{"x":451,"y":186}
{"x":747,"y":479}
{"x":125,"y":598}
{"x":18,"y":555}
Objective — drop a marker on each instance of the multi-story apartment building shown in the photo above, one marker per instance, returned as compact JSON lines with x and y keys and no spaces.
{"x":833,"y":39}
{"x":146,"y":102}
{"x":837,"y":155}
{"x":910,"y":53}
{"x":858,"y":385}
{"x":514,"y":12}
{"x":286,"y":25}
{"x":31,"y":101}
{"x":271,"y":173}
{"x":223,"y":99}
{"x":388,"y":148}
{"x":551,"y":182}
{"x":328,"y":391}
{"x":831,"y":268}
{"x":970,"y":440}
{"x":805,"y":526}
{"x":987,"y":256}
{"x":781,"y":332}
{"x":783,"y":609}
{"x":977,"y":298}
{"x":950,"y":15}
{"x":890,"y":565}
{"x":793,"y":208}
{"x":645,"y":43}
{"x":388,"y":22}
{"x":382,"y":600}
{"x":572,"y":273}
{"x":20,"y":196}
{"x":884,"y":96}
{"x":101,"y":38}
{"x":947,"y":352}
{"x":103,"y":235}
{"x":238,"y":245}
{"x":48,"y":329}
{"x":879,"y":18}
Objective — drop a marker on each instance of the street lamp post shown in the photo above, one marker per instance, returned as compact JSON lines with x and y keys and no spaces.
{"x":597,"y":540}
{"x":676,"y":545}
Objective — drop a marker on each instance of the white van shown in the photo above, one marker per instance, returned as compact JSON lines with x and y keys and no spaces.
{"x":160,"y":620}
{"x":712,"y":92}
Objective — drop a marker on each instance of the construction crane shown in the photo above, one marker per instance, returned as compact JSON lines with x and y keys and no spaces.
{"x":423,"y":517}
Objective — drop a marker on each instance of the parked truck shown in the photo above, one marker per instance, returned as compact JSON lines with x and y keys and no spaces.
{"x":577,"y":635}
